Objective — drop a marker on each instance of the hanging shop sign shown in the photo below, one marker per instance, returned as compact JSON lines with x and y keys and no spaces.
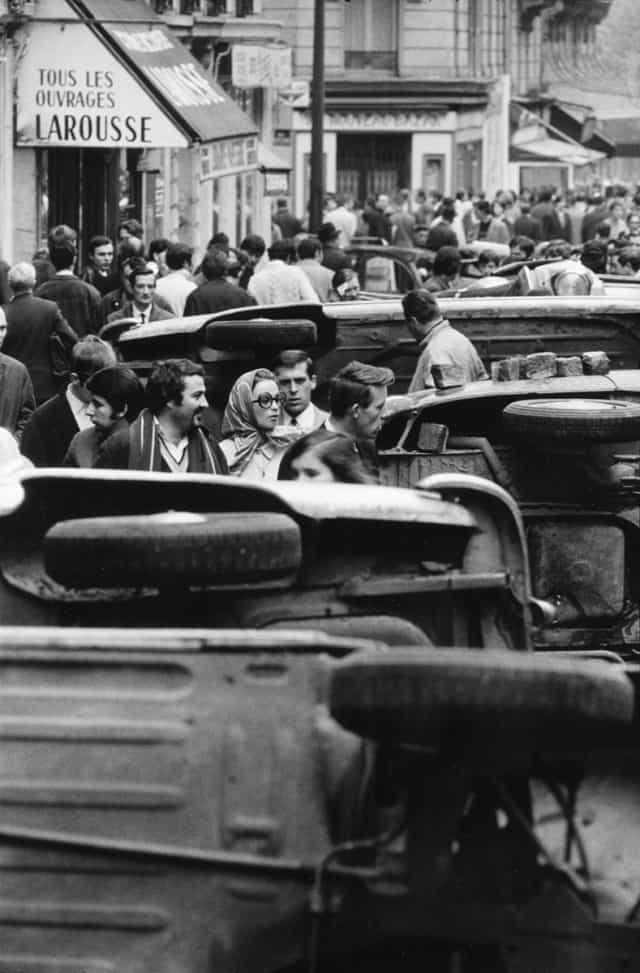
{"x":119,"y":79}
{"x":253,"y":66}
{"x":228,"y":157}
{"x":73,"y":92}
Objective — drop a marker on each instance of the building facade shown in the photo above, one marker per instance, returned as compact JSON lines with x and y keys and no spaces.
{"x":419,"y":92}
{"x":115,"y":108}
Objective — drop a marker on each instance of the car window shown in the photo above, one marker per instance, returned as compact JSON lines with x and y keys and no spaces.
{"x":383,"y":275}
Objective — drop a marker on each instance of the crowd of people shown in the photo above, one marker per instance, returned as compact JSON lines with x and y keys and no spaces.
{"x":67,"y":399}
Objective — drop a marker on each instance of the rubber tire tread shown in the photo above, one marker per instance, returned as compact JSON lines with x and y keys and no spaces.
{"x":430,"y":697}
{"x":272,"y":334}
{"x":546,"y":420}
{"x":133,"y":551}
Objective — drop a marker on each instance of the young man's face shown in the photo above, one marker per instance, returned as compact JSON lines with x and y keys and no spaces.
{"x":101,"y":413}
{"x":296,"y":385}
{"x":143,"y":288}
{"x":368,"y":419}
{"x":194,"y":401}
{"x":102,"y":257}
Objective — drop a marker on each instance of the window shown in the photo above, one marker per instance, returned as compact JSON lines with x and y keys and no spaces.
{"x":370,"y":35}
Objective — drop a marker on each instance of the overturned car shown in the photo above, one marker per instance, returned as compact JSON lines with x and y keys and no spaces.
{"x":374,"y":769}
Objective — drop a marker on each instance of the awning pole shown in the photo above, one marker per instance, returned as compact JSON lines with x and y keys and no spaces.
{"x":317,"y":119}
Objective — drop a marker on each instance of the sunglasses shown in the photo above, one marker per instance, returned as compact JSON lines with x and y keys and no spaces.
{"x":266,"y":401}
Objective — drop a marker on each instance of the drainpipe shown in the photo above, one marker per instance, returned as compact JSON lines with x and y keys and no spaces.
{"x":6,"y":147}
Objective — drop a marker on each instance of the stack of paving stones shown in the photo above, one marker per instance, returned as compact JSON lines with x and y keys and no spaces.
{"x":545,"y":364}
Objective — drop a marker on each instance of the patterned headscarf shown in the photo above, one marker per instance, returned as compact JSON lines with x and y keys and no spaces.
{"x":239,"y":424}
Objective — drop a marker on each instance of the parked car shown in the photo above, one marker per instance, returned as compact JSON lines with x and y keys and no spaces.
{"x":188,"y":799}
{"x":568,"y":449}
{"x":230,"y":342}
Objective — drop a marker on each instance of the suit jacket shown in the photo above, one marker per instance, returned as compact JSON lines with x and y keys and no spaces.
{"x":49,"y":431}
{"x":127,"y":311}
{"x":116,"y":299}
{"x":16,"y":396}
{"x":31,"y":323}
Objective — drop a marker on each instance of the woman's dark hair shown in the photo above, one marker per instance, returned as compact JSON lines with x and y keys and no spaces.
{"x":121,"y":387}
{"x":337,"y":453}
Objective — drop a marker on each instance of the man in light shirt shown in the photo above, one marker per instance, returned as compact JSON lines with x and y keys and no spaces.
{"x":344,"y":219}
{"x":279,"y":282}
{"x":310,"y":261}
{"x":176,"y":286}
{"x":295,"y":376}
{"x":53,"y":425}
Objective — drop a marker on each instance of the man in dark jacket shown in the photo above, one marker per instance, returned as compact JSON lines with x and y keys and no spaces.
{"x":216,"y":294}
{"x":54,"y":424}
{"x":142,"y":307}
{"x":78,"y":301}
{"x":288,"y":224}
{"x":546,"y":214}
{"x":167,"y":436}
{"x":16,"y":392}
{"x":34,"y":325}
{"x":357,"y":396}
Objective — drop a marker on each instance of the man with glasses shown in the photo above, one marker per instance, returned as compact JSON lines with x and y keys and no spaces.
{"x":167,"y":436}
{"x":53,"y":425}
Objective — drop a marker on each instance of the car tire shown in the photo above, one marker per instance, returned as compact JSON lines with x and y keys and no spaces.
{"x":433,"y":697}
{"x":266,"y":334}
{"x":172,"y":548}
{"x":573,"y":420}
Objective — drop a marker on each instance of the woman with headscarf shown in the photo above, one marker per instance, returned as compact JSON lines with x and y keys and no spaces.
{"x":253,"y":443}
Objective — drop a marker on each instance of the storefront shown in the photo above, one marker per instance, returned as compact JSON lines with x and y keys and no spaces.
{"x":115,"y":118}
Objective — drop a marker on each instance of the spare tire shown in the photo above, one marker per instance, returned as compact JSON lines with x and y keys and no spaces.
{"x":266,"y":334}
{"x":172,"y":548}
{"x":433,"y":697}
{"x":574,"y":420}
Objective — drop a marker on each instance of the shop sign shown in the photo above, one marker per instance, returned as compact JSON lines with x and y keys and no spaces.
{"x":73,"y":92}
{"x":228,"y":157}
{"x":276,"y":183}
{"x":253,"y":66}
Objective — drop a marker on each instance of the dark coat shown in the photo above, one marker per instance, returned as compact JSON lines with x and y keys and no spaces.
{"x":288,"y":224}
{"x":216,"y":295}
{"x":49,"y":431}
{"x":85,"y":445}
{"x":16,"y":396}
{"x":334,"y":258}
{"x":79,"y":302}
{"x":31,"y":323}
{"x":528,"y":226}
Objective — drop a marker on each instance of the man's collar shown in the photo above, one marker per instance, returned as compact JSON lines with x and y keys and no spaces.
{"x":64,"y":273}
{"x":430,"y":330}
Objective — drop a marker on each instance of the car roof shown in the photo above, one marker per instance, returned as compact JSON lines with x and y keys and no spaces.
{"x":390,"y":309}
{"x":356,"y":502}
